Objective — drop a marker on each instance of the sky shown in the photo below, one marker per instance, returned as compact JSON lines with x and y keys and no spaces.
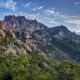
{"x":49,"y":12}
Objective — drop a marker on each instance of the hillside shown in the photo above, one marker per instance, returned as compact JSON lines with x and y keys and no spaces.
{"x":36,"y":67}
{"x":29,"y":50}
{"x":58,"y":42}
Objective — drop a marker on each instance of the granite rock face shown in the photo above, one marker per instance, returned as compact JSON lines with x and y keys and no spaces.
{"x":21,"y":23}
{"x":21,"y":26}
{"x":58,"y":42}
{"x":61,"y":32}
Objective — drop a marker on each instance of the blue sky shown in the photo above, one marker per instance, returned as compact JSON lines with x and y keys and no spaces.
{"x":49,"y":12}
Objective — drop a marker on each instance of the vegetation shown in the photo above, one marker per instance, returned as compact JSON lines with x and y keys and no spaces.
{"x":33,"y":66}
{"x":7,"y":40}
{"x":36,"y":67}
{"x":68,"y":47}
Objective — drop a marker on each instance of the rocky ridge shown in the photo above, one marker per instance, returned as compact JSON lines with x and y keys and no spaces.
{"x":58,"y":42}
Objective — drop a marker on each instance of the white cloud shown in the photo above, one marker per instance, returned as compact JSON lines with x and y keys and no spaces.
{"x":34,"y":9}
{"x":49,"y":11}
{"x":51,"y":18}
{"x":52,"y":14}
{"x":54,"y":17}
{"x":73,"y":21}
{"x":27,"y":4}
{"x":38,"y":8}
{"x":76,"y":3}
{"x":57,"y":16}
{"x":10,"y":4}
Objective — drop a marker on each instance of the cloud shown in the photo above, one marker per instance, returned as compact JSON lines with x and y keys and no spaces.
{"x":76,"y":3}
{"x":53,"y":14}
{"x":49,"y":11}
{"x":73,"y":21}
{"x":27,"y":4}
{"x":38,"y":8}
{"x":54,"y":18}
{"x":51,"y":17}
{"x":9,"y":4}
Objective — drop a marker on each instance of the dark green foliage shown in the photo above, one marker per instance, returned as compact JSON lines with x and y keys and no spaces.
{"x":5,"y":41}
{"x":27,"y":67}
{"x":68,"y":47}
{"x":9,"y":35}
{"x":68,"y":71}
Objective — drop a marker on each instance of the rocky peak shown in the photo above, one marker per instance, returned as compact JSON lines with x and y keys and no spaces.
{"x":24,"y":35}
{"x":21,"y":23}
{"x":20,"y":26}
{"x":60,"y":28}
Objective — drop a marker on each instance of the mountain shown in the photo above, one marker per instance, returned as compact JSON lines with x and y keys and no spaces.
{"x":29,"y":50}
{"x":57,"y":42}
{"x":63,"y":33}
{"x":10,"y":44}
{"x":66,"y":40}
{"x":21,"y":23}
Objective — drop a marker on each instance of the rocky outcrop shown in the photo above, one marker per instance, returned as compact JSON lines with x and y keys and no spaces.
{"x":30,"y":34}
{"x":24,"y":28}
{"x":2,"y":26}
{"x":21,"y":23}
{"x":2,"y":29}
{"x":62,"y":33}
{"x":14,"y":50}
{"x":2,"y":34}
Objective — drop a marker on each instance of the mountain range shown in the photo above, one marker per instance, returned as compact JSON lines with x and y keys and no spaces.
{"x":21,"y":36}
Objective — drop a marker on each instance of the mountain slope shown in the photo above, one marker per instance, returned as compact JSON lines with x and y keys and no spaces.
{"x":38,"y":53}
{"x":58,"y":42}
